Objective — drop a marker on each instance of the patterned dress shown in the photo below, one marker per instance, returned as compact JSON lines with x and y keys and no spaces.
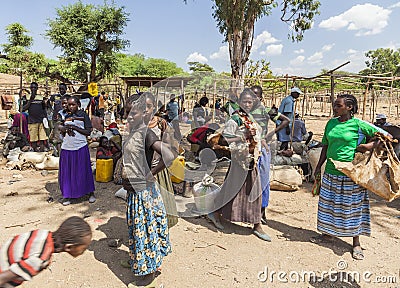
{"x":145,"y":214}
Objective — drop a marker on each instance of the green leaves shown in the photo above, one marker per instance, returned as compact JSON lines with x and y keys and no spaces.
{"x":88,"y":34}
{"x":139,"y":65}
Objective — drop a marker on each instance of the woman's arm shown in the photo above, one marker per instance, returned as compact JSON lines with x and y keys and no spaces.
{"x":7,"y":276}
{"x":166,"y":156}
{"x":116,"y":145}
{"x":83,"y":131}
{"x":367,"y":146}
{"x":321,"y":160}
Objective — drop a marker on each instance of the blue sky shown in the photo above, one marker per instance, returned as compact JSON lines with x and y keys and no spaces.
{"x":171,"y":30}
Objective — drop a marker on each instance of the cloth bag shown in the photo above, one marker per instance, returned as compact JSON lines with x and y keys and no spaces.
{"x":377,"y":171}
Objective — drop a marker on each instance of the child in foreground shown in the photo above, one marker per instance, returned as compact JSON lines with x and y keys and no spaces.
{"x":27,"y":254}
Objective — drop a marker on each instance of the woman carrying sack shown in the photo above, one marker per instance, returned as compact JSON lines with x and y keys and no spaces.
{"x":343,"y":208}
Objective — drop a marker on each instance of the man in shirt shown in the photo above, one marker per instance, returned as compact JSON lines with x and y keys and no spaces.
{"x":101,"y":105}
{"x":287,"y":108}
{"x":381,"y":120}
{"x":56,"y":107}
{"x":37,"y":112}
{"x":173,"y":116}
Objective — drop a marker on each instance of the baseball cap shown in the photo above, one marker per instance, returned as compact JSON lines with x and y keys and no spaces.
{"x":296,"y":89}
{"x":380,"y":116}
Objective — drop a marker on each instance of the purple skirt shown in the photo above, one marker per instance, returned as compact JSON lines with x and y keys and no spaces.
{"x":75,"y":174}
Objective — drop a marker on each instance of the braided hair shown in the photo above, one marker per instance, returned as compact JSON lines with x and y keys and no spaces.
{"x":350,"y":100}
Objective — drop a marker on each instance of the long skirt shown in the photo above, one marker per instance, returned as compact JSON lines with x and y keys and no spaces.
{"x":75,"y":174}
{"x":343,"y":207}
{"x":263,"y":165}
{"x":147,"y":229}
{"x":167,"y":193}
{"x":245,"y":206}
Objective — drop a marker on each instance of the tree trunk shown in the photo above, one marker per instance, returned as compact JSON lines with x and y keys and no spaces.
{"x":92,"y":67}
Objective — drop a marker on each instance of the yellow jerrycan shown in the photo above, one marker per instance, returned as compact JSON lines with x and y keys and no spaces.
{"x":104,"y":170}
{"x":177,"y":169}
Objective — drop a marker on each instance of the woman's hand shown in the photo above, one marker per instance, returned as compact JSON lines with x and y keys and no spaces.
{"x":367,"y":146}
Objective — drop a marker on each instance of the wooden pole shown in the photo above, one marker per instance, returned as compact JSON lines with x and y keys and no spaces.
{"x":214,"y":95}
{"x":20,"y":102}
{"x":373,"y":106}
{"x":287,"y":85}
{"x":332,"y":92}
{"x":365,"y":100}
{"x":390,"y":95}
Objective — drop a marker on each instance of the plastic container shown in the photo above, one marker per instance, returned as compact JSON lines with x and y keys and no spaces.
{"x":204,"y":197}
{"x":104,"y":170}
{"x":177,"y":170}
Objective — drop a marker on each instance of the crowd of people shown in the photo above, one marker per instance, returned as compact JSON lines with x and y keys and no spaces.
{"x":150,"y":147}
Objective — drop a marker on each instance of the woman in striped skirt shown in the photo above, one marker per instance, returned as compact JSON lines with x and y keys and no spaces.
{"x":343,"y":208}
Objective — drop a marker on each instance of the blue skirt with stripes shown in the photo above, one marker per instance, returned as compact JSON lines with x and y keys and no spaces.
{"x":343,"y":207}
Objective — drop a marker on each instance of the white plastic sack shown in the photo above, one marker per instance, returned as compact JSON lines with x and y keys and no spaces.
{"x":204,"y":194}
{"x":121,"y":193}
{"x":49,"y":163}
{"x":13,"y":155}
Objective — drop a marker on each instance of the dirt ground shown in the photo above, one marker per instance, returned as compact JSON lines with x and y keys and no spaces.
{"x":203,"y":256}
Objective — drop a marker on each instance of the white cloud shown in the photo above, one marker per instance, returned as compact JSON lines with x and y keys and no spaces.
{"x":351,"y":51}
{"x":196,"y":57}
{"x":397,"y":5}
{"x":300,"y":51}
{"x":328,"y":47}
{"x":264,"y":38}
{"x":297,"y":61}
{"x":315,"y":58}
{"x":223,"y":53}
{"x":367,"y":19}
{"x":272,"y":50}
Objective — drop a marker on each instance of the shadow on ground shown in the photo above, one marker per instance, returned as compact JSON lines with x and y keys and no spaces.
{"x":114,"y":229}
{"x":296,"y":234}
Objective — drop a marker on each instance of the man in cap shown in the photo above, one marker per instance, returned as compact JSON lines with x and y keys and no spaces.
{"x":381,"y":120}
{"x":287,"y":108}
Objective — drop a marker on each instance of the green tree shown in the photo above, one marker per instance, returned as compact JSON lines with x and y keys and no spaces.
{"x":130,"y":65}
{"x":161,"y":68}
{"x":139,"y":65}
{"x":89,"y":37}
{"x":200,"y":67}
{"x":17,"y":37}
{"x":236,"y":18}
{"x":256,"y":70}
{"x":18,"y":58}
{"x":383,"y":60}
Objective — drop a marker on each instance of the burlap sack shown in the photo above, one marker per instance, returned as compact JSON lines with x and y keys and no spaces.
{"x":377,"y":171}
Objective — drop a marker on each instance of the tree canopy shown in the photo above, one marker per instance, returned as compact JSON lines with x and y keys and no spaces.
{"x":200,"y":67}
{"x":89,"y":37}
{"x":236,"y":19}
{"x":383,"y":60}
{"x":139,"y":65}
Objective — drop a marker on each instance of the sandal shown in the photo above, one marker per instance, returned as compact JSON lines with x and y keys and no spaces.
{"x":320,"y":239}
{"x":357,"y":254}
{"x":263,"y":236}
{"x":216,"y":222}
